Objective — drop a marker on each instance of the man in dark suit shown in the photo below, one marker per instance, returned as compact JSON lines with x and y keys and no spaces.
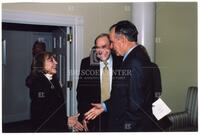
{"x":92,"y":82}
{"x":130,"y":104}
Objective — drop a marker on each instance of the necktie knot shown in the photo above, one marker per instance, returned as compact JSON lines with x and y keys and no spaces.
{"x":106,"y":64}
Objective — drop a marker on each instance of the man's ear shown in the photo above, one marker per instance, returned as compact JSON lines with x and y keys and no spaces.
{"x":124,"y":39}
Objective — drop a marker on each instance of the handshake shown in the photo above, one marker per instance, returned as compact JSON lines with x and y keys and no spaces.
{"x":90,"y":115}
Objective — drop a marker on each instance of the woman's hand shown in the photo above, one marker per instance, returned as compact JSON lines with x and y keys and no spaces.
{"x":74,"y":123}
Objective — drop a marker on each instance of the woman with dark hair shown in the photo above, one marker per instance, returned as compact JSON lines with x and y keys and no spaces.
{"x":48,"y":108}
{"x":38,"y":47}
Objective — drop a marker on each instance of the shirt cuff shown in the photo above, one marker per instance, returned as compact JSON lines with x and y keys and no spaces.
{"x":104,"y":107}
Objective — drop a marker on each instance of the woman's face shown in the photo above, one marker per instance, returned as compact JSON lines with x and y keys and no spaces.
{"x":50,"y":65}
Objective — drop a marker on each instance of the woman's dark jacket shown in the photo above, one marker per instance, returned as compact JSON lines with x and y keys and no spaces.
{"x":48,"y":108}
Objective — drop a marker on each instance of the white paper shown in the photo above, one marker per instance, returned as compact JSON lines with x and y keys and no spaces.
{"x":160,"y":109}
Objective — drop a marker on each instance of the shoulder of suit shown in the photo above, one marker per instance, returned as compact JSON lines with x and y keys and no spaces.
{"x":138,"y":52}
{"x":89,"y":63}
{"x":154,"y":64}
{"x":86,"y":59}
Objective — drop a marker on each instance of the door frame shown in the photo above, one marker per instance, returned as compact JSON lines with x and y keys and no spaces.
{"x":37,"y":18}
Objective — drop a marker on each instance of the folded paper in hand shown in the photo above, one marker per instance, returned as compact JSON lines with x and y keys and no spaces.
{"x":160,"y":109}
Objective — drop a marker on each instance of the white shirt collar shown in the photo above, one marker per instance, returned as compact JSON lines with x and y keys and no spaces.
{"x":49,"y":76}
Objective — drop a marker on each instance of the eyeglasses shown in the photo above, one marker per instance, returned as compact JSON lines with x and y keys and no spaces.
{"x":102,"y":47}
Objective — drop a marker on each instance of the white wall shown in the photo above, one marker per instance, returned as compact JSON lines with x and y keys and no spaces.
{"x":97,"y":17}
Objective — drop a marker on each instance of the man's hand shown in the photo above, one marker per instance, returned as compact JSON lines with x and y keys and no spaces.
{"x":94,"y":112}
{"x":73,"y":122}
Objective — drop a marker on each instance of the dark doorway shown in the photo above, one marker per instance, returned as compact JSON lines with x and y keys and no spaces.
{"x":17,"y":42}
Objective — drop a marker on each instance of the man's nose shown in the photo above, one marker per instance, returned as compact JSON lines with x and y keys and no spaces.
{"x":99,"y":52}
{"x":111,"y":46}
